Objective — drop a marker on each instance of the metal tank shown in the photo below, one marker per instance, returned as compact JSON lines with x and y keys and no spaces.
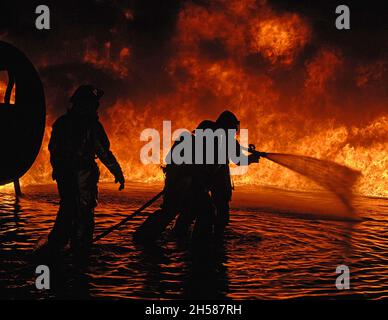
{"x":22,"y":121}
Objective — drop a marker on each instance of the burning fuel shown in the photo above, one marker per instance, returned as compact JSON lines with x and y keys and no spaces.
{"x":295,"y":92}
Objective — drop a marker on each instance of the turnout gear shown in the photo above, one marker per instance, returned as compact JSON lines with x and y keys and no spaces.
{"x":185,"y":194}
{"x":77,"y":139}
{"x":197,"y":192}
{"x":216,"y":178}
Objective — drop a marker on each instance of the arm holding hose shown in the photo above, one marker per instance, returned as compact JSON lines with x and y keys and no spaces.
{"x":254,"y":155}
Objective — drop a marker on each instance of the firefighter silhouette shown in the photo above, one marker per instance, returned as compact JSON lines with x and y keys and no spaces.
{"x":77,"y":139}
{"x":197,"y":194}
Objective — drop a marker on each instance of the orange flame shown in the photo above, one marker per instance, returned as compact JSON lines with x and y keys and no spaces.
{"x":209,"y":73}
{"x":279,"y":39}
{"x":3,"y":88}
{"x":103,"y":58}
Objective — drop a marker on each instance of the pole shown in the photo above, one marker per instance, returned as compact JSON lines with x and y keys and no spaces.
{"x":18,"y":190}
{"x":125,"y":220}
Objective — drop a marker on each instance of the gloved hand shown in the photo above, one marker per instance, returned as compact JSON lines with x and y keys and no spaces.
{"x":120,"y":179}
{"x":254,"y":158}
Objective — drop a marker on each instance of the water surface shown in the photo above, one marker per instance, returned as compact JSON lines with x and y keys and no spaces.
{"x":280,"y":244}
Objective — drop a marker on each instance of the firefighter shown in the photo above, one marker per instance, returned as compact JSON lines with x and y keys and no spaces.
{"x":180,"y":191}
{"x":77,"y":139}
{"x":221,"y":186}
{"x":217,"y":180}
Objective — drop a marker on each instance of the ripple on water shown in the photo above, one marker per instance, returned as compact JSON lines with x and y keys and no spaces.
{"x":267,"y":253}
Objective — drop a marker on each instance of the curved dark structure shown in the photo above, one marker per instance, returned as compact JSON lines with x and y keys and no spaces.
{"x":22,"y":123}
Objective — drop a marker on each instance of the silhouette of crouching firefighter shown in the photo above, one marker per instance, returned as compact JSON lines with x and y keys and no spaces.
{"x":184,"y":196}
{"x":185,"y":193}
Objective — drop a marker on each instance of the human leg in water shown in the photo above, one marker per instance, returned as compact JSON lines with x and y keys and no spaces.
{"x":203,"y":227}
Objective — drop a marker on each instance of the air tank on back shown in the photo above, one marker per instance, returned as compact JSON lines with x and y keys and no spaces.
{"x":22,"y":118}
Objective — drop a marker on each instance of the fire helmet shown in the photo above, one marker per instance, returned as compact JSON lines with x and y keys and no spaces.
{"x":86,"y":92}
{"x":228,"y":120}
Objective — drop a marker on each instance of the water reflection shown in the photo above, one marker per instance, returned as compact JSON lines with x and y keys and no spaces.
{"x":267,"y":253}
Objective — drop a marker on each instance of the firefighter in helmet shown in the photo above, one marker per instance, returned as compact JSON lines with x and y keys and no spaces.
{"x":77,"y":139}
{"x":217,"y":177}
